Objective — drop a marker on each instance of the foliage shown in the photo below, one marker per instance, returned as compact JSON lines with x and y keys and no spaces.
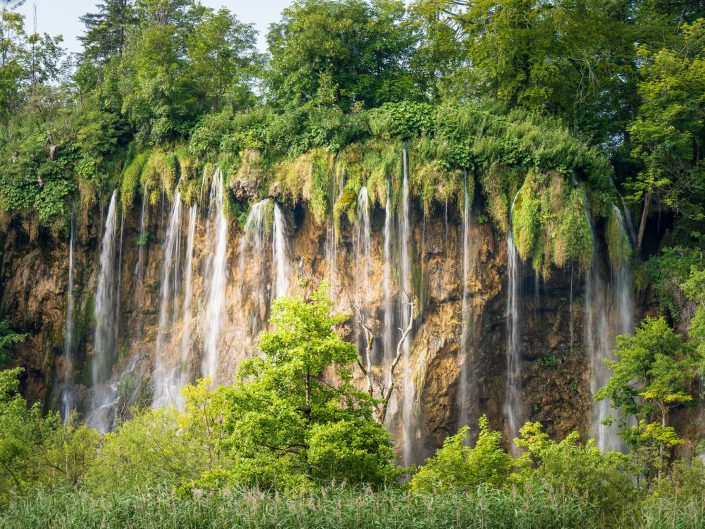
{"x":361,"y":54}
{"x":8,"y":338}
{"x":284,"y":425}
{"x":650,"y":377}
{"x":550,"y":224}
{"x":459,"y":468}
{"x":579,"y":470}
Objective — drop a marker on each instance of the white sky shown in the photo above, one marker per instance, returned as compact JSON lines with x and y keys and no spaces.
{"x":61,"y":16}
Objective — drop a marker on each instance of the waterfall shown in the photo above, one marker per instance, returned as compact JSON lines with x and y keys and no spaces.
{"x":361,"y":252}
{"x":464,"y":393}
{"x":511,"y":406}
{"x":405,"y":282}
{"x":609,"y":311}
{"x":279,"y":253}
{"x":388,"y":324}
{"x":105,"y":312}
{"x":188,"y":291}
{"x":362,"y":243}
{"x":259,"y":284}
{"x":252,"y":245}
{"x":215,"y":279}
{"x":141,"y":242}
{"x":67,"y":391}
{"x":166,"y":378}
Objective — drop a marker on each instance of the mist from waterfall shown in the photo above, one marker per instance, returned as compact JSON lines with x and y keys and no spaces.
{"x":408,"y":393}
{"x":609,"y":311}
{"x":513,"y":383}
{"x":215,"y":279}
{"x":465,"y":390}
{"x":106,"y":314}
{"x":166,"y":378}
{"x":67,"y":390}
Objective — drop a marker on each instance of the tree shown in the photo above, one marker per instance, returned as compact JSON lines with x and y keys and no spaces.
{"x":19,"y":436}
{"x":293,"y":417}
{"x":669,"y":129}
{"x":649,"y":377}
{"x":222,"y":59}
{"x":458,"y":467}
{"x":8,"y":338}
{"x":361,"y":54}
{"x":107,"y":30}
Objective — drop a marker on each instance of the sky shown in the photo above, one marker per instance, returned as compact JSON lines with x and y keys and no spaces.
{"x":61,"y":16}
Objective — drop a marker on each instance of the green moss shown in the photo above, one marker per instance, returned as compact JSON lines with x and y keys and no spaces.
{"x":550,"y":224}
{"x":159,"y":173}
{"x":619,"y":248}
{"x":131,"y":180}
{"x":574,"y":241}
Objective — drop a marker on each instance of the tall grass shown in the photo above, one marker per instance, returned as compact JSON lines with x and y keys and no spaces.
{"x":393,"y":509}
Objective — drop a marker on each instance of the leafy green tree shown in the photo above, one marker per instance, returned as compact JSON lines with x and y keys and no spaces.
{"x":577,"y":470}
{"x":19,"y":436}
{"x":222,"y":59}
{"x":669,"y":130}
{"x":650,"y":377}
{"x":361,"y":54}
{"x":144,"y":452}
{"x":293,"y":417}
{"x":458,"y":467}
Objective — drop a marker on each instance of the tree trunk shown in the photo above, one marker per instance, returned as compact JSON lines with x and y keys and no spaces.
{"x":644,"y":218}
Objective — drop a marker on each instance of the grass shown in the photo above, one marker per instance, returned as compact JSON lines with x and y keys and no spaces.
{"x":338,"y":509}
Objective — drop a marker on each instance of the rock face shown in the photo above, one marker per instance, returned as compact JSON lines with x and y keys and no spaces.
{"x":554,"y":371}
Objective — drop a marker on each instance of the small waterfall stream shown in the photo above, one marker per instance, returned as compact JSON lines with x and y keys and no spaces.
{"x":265,"y":234}
{"x":280,"y":253}
{"x":187,"y":317}
{"x":609,"y":311}
{"x":106,"y":315}
{"x":465,"y":398}
{"x":67,"y":391}
{"x":408,"y":392}
{"x":166,"y":377}
{"x":215,"y":278}
{"x":388,"y":300}
{"x":511,"y":406}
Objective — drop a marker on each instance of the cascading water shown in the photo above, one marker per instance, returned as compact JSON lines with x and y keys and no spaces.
{"x":252,"y":251}
{"x":280,"y":253}
{"x":388,"y":323}
{"x":511,"y":406}
{"x":265,"y":220}
{"x":67,"y":391}
{"x":167,"y":379}
{"x":362,"y":244}
{"x":408,"y":393}
{"x":465,"y":396}
{"x":141,"y":242}
{"x":609,"y":311}
{"x":106,"y":313}
{"x":188,"y":292}
{"x":361,"y":251}
{"x":215,"y":279}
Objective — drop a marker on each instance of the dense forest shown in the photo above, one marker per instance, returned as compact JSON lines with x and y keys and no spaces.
{"x":572,"y":130}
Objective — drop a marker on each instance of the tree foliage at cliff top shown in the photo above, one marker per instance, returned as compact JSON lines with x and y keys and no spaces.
{"x":491,"y":85}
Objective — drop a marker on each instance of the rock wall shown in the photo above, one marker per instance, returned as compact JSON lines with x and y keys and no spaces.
{"x":554,"y":368}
